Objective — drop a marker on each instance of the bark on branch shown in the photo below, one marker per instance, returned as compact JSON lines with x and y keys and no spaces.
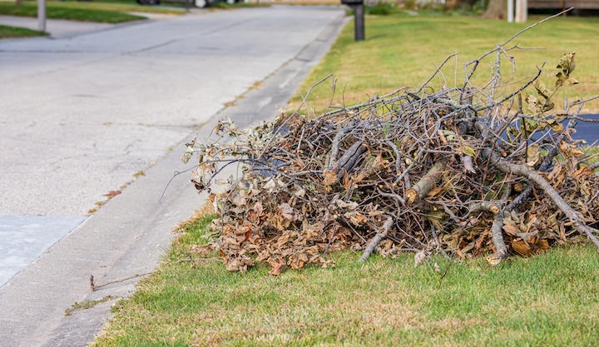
{"x":376,"y":239}
{"x":497,"y":232}
{"x":350,"y":159}
{"x":426,"y":183}
{"x":487,"y":206}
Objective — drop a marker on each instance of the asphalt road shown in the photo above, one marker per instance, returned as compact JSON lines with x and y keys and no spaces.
{"x":85,"y":115}
{"x":81,"y":116}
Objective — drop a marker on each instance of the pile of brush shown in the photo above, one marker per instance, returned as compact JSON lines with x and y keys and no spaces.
{"x":456,"y":171}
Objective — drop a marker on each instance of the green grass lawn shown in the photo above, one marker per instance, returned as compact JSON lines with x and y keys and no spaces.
{"x":548,"y":300}
{"x":122,"y":6}
{"x":10,"y":32}
{"x":101,"y":12}
{"x":402,"y":50}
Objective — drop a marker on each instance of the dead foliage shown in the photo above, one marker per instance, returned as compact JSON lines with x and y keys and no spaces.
{"x":464,"y":171}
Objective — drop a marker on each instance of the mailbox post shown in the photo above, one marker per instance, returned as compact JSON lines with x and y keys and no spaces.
{"x":358,"y":7}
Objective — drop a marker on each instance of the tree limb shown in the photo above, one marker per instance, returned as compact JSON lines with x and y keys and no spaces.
{"x":426,"y":183}
{"x":574,"y":216}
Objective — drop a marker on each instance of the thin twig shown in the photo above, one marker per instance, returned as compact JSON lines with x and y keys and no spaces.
{"x":94,"y":286}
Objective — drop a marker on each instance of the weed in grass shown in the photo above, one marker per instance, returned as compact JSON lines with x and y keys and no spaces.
{"x":85,"y":305}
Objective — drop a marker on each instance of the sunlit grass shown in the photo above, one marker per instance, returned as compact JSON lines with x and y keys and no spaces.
{"x":402,"y":50}
{"x":115,"y":6}
{"x":101,"y":12}
{"x":548,"y":300}
{"x":10,"y":32}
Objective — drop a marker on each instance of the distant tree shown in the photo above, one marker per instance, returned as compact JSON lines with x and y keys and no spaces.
{"x":495,"y":10}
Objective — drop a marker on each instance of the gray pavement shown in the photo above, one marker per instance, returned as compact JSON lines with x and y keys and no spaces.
{"x":83,"y":114}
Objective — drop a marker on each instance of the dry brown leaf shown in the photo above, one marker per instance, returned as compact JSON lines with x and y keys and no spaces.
{"x":111,"y":194}
{"x":352,"y":205}
{"x":521,"y":247}
{"x":277,"y":266}
{"x":240,"y":264}
{"x":356,"y":218}
{"x":511,"y":229}
{"x":419,"y":258}
{"x":543,"y":244}
{"x":329,"y":177}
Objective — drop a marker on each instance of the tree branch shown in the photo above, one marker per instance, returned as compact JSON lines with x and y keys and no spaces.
{"x":574,"y":216}
{"x":376,"y":239}
{"x":426,"y":183}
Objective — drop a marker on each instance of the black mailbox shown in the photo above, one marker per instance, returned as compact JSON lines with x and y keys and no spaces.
{"x":358,"y":7}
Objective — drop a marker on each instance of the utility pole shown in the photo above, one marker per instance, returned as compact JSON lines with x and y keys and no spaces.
{"x":359,"y":22}
{"x":41,"y":15}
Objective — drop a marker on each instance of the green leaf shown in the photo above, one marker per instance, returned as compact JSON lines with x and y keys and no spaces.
{"x":530,"y":125}
{"x":468,"y":150}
